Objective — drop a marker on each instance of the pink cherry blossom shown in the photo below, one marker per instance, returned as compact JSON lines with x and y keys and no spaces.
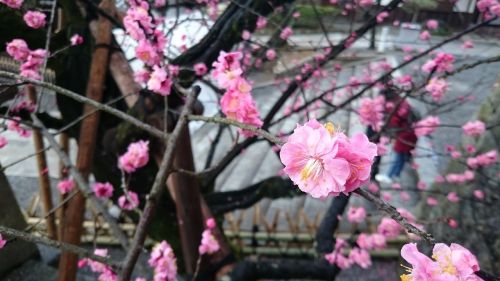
{"x":356,"y":214}
{"x":431,"y":201}
{"x":34,"y":19}
{"x":286,"y":33}
{"x":66,"y":186}
{"x":336,"y":256}
{"x":270,"y":54}
{"x":371,"y":241}
{"x":163,"y":260}
{"x":3,"y":141}
{"x":360,"y":257}
{"x":200,"y":69}
{"x":437,"y":87}
{"x":441,"y":63}
{"x":426,"y":126}
{"x":14,"y":4}
{"x":474,"y":128}
{"x":468,"y":44}
{"x":382,"y":16}
{"x":261,"y":22}
{"x":432,"y":24}
{"x":209,"y":244}
{"x":359,"y":152}
{"x":483,"y":160}
{"x":425,"y":35}
{"x":479,"y":194}
{"x":389,"y":228}
{"x":453,"y":197}
{"x":452,"y":223}
{"x":137,"y":156}
{"x":76,"y":40}
{"x":129,"y":202}
{"x":371,"y":111}
{"x":18,"y":49}
{"x":245,"y":35}
{"x":211,"y":224}
{"x":309,"y":156}
{"x":2,"y":242}
{"x":423,"y":267}
{"x":365,"y":3}
{"x":103,"y":190}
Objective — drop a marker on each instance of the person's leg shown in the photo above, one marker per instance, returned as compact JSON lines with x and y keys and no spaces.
{"x":397,"y":165}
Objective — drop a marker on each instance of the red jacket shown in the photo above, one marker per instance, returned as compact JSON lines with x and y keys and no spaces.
{"x":403,"y":131}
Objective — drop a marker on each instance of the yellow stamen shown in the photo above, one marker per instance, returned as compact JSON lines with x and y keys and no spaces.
{"x":405,"y":277}
{"x":312,"y":168}
{"x":330,"y":128}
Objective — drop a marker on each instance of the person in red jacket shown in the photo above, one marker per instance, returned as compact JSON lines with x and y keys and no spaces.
{"x":400,"y":127}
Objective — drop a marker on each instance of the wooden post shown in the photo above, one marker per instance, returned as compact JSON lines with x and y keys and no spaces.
{"x":43,"y":173}
{"x":73,"y":224}
{"x":63,"y":173}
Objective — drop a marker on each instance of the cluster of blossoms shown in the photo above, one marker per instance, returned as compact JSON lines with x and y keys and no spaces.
{"x":163,"y":261}
{"x":460,"y":178}
{"x":31,"y":60}
{"x":137,"y":156}
{"x":151,"y":43}
{"x":356,"y":256}
{"x":474,"y":128}
{"x":15,"y":126}
{"x":448,"y":263}
{"x":356,"y":214}
{"x":129,"y":202}
{"x":441,"y":63}
{"x":14,"y":4}
{"x":437,"y":87}
{"x":426,"y":126}
{"x":483,"y":160}
{"x":237,"y":102}
{"x":390,"y":228}
{"x":371,"y":111}
{"x":106,"y":273}
{"x":209,"y":244}
{"x":323,"y":161}
{"x":490,"y":8}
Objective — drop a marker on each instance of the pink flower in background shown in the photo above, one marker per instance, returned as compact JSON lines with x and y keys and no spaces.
{"x":453,"y":197}
{"x":103,"y":190}
{"x":426,"y":126}
{"x":309,"y":159}
{"x":364,"y":3}
{"x":441,"y":63}
{"x":382,"y":148}
{"x":371,"y":111}
{"x":360,"y":257}
{"x":336,"y":256}
{"x":34,"y":19}
{"x":474,"y":128}
{"x":270,"y":54}
{"x":389,"y":228}
{"x":432,"y":24}
{"x":425,"y":35}
{"x":200,"y":69}
{"x":356,"y":214}
{"x":359,"y":152}
{"x":129,"y":202}
{"x":209,"y":244}
{"x":286,"y":33}
{"x":373,"y":187}
{"x":437,"y":87}
{"x":261,"y":22}
{"x":76,"y":40}
{"x":137,"y":156}
{"x":163,"y":260}
{"x":18,"y":49}
{"x":421,"y":185}
{"x":147,"y":53}
{"x":2,"y":242}
{"x":452,"y":223}
{"x":479,"y":194}
{"x":431,"y":201}
{"x":211,"y":224}
{"x":66,"y":186}
{"x":3,"y":141}
{"x":382,"y":16}
{"x":14,"y":4}
{"x":245,"y":35}
{"x":468,"y":44}
{"x":482,"y":160}
{"x":141,"y":76}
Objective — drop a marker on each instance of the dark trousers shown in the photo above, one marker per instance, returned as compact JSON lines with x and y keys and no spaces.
{"x":398,"y":164}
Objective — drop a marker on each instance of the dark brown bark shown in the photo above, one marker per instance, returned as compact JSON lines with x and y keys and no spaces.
{"x":88,"y":132}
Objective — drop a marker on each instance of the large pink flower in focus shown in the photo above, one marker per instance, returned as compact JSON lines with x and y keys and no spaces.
{"x":309,"y":159}
{"x":137,"y":156}
{"x":422,"y":266}
{"x":359,"y":152}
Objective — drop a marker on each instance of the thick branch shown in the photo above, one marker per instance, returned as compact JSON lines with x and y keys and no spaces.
{"x":324,"y":235}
